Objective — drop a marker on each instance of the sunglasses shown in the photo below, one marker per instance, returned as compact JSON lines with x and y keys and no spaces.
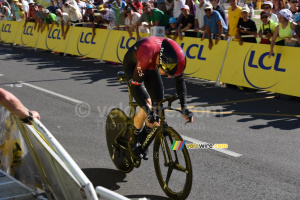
{"x":264,"y":17}
{"x":207,"y":10}
{"x":294,"y":2}
{"x":266,"y":7}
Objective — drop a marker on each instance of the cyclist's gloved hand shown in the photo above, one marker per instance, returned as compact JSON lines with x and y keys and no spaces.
{"x":153,"y":117}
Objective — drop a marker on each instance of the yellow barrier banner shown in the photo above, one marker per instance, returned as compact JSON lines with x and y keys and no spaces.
{"x":118,"y":44}
{"x":249,"y":65}
{"x":82,"y":42}
{"x":9,"y":30}
{"x":202,"y":62}
{"x":27,"y":35}
{"x":53,"y":40}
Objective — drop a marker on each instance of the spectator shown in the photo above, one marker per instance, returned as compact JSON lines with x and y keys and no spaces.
{"x":60,"y":4}
{"x":107,"y":16}
{"x":14,"y":105}
{"x":297,"y":30}
{"x":219,"y":8}
{"x":213,"y":24}
{"x":131,"y":20}
{"x":33,"y":7}
{"x":91,"y":14}
{"x":294,"y":9}
{"x":50,"y":18}
{"x":172,"y":28}
{"x":21,"y":12}
{"x":169,"y":6}
{"x":71,"y":7}
{"x":82,"y":7}
{"x":63,"y":19}
{"x":137,"y":5}
{"x":246,"y":26}
{"x":4,"y":12}
{"x":234,"y":14}
{"x":177,"y":8}
{"x":186,"y":23}
{"x":25,"y":6}
{"x":40,"y":16}
{"x":267,"y":28}
{"x":52,"y":8}
{"x":199,"y":17}
{"x":15,"y":10}
{"x":278,"y":5}
{"x":268,"y":6}
{"x":117,"y":7}
{"x":284,"y":29}
{"x":153,"y":16}
{"x":5,"y":3}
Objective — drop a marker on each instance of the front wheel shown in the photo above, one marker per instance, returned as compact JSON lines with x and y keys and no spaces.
{"x":173,"y":168}
{"x":115,"y":123}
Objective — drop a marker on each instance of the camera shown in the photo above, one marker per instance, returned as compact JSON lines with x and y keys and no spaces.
{"x":266,"y":31}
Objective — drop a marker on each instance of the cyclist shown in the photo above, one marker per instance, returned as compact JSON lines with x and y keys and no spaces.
{"x":145,"y":62}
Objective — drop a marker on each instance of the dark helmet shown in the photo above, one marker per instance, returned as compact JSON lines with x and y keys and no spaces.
{"x":172,"y":57}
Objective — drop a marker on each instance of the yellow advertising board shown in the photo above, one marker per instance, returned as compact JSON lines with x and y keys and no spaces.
{"x":202,"y":62}
{"x":118,"y":44}
{"x":53,"y":40}
{"x":27,"y":35}
{"x":249,"y":65}
{"x":82,"y":42}
{"x":9,"y":30}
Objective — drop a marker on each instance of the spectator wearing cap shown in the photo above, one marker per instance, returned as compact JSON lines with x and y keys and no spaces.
{"x":15,"y":10}
{"x":30,"y":16}
{"x":246,"y":26}
{"x":186,"y":23}
{"x":131,"y":20}
{"x":234,"y":14}
{"x":50,"y":18}
{"x":268,"y":7}
{"x":5,"y":12}
{"x":218,"y":8}
{"x":90,"y":16}
{"x":283,"y":29}
{"x":199,"y":17}
{"x":213,"y":24}
{"x":172,"y":28}
{"x":71,"y":7}
{"x":63,"y":20}
{"x":297,"y":30}
{"x":21,"y":11}
{"x":118,"y":6}
{"x":153,"y":16}
{"x":106,"y":16}
{"x":177,"y":8}
{"x":294,"y":9}
{"x":52,"y":8}
{"x":267,"y":28}
{"x":25,"y":6}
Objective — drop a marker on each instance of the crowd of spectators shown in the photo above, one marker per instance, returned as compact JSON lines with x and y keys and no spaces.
{"x":193,"y":18}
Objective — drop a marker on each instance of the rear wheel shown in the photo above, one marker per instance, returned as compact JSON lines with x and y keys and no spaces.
{"x":173,"y":167}
{"x":115,"y":123}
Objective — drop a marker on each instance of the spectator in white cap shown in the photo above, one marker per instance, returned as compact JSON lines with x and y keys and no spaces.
{"x":268,"y":7}
{"x":186,"y":23}
{"x":294,"y":9}
{"x":62,"y":19}
{"x":213,"y":24}
{"x":246,"y":26}
{"x":50,"y":18}
{"x":284,"y":29}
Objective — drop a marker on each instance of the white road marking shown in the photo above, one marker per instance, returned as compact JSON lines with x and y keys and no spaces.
{"x":50,"y":92}
{"x":1,"y":75}
{"x":225,"y":151}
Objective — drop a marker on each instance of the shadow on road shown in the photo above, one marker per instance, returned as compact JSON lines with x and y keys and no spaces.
{"x":148,"y":197}
{"x":267,"y":112}
{"x":107,"y":178}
